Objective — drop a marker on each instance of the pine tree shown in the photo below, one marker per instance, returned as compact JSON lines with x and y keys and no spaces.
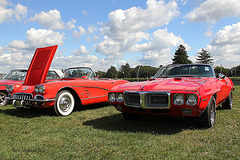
{"x":181,"y":56}
{"x":204,"y":57}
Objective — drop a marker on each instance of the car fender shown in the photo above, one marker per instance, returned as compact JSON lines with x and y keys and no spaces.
{"x":77,"y":93}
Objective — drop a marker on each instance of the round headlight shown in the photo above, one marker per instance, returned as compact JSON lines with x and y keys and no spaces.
{"x":111,"y":97}
{"x":191,"y":99}
{"x":178,"y":99}
{"x":9,"y":88}
{"x":41,"y":89}
{"x":119,"y":97}
{"x":36,"y":88}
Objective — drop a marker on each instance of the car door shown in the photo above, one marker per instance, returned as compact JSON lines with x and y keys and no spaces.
{"x":225,"y":88}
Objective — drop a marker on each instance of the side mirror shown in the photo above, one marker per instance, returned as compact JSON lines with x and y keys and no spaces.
{"x":221,"y":76}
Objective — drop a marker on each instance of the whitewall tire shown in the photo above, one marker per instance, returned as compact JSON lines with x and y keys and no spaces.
{"x":64,"y":103}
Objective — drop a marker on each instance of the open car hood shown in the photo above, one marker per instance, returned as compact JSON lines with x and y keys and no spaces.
{"x":38,"y":69}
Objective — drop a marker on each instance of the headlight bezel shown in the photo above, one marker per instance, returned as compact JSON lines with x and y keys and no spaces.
{"x":9,"y":88}
{"x":178,"y":95}
{"x":119,"y":99}
{"x":112,"y":97}
{"x":190,"y":96}
{"x":39,"y":88}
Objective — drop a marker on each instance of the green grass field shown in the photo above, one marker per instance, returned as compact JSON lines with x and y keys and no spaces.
{"x":99,"y":132}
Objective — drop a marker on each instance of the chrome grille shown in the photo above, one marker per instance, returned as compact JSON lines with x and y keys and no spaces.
{"x":22,"y":96}
{"x":160,"y":100}
{"x":132,"y":99}
{"x":147,"y":100}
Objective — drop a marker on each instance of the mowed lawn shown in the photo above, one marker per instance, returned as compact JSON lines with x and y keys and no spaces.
{"x":99,"y":132}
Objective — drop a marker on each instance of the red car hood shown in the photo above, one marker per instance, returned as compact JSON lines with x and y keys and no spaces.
{"x":38,"y":69}
{"x":165,"y":84}
{"x":8,"y":82}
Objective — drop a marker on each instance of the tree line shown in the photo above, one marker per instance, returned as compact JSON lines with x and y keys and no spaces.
{"x":180,"y":57}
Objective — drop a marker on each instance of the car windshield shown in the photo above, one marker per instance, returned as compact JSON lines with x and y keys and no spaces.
{"x":79,"y":73}
{"x":16,"y":75}
{"x":185,"y":71}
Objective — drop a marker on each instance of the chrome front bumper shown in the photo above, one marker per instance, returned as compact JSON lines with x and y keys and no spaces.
{"x":22,"y":100}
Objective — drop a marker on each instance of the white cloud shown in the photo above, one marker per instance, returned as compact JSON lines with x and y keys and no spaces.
{"x":158,"y":51}
{"x":78,"y":33}
{"x":122,"y":22}
{"x":184,"y":2}
{"x":50,"y":20}
{"x":15,"y":60}
{"x":42,"y":37}
{"x":156,"y":58}
{"x":18,"y":44}
{"x":92,"y":39}
{"x":1,"y":49}
{"x":71,"y":24}
{"x":3,"y":3}
{"x":20,"y":12}
{"x":209,"y":33}
{"x":162,"y":39}
{"x":225,"y":46}
{"x":82,"y":50}
{"x":213,"y":10}
{"x":35,"y":39}
{"x":16,"y":12}
{"x":126,"y":30}
{"x":91,"y":61}
{"x":92,"y":29}
{"x":109,"y":48}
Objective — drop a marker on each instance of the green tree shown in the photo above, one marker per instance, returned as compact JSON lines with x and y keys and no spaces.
{"x":111,"y":72}
{"x":101,"y":74}
{"x":236,"y":71}
{"x":181,"y":56}
{"x":204,"y":57}
{"x":225,"y":71}
{"x":126,"y":70}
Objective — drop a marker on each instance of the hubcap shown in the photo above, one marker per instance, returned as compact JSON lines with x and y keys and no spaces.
{"x":2,"y":98}
{"x":212,"y":115}
{"x":65,"y":103}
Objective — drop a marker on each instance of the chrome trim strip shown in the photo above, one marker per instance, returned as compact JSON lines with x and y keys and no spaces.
{"x":31,"y":100}
{"x":94,"y":97}
{"x":41,"y":100}
{"x":143,"y":96}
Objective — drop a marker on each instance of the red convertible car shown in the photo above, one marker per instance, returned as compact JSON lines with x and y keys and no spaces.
{"x":78,"y":86}
{"x":183,"y":90}
{"x":17,"y":76}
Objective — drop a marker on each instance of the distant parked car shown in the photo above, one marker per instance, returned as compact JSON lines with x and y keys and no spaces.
{"x":183,"y":90}
{"x":78,"y":86}
{"x":17,"y":76}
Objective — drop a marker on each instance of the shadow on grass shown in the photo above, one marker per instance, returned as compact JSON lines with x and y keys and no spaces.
{"x":27,"y":113}
{"x":38,"y":112}
{"x":154,"y":125}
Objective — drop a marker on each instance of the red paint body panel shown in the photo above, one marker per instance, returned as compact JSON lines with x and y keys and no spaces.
{"x":40,"y":65}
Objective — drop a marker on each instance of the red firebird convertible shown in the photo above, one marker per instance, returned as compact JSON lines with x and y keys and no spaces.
{"x":183,"y":90}
{"x":79,"y":86}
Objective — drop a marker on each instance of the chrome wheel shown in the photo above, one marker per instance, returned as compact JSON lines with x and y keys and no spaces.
{"x":3,"y":101}
{"x":208,"y":117}
{"x":228,"y":102}
{"x":64,"y":103}
{"x":212,"y":115}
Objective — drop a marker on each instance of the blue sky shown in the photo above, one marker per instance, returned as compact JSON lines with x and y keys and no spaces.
{"x":99,"y":34}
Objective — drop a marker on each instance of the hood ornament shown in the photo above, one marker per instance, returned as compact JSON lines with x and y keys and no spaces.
{"x":24,"y":89}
